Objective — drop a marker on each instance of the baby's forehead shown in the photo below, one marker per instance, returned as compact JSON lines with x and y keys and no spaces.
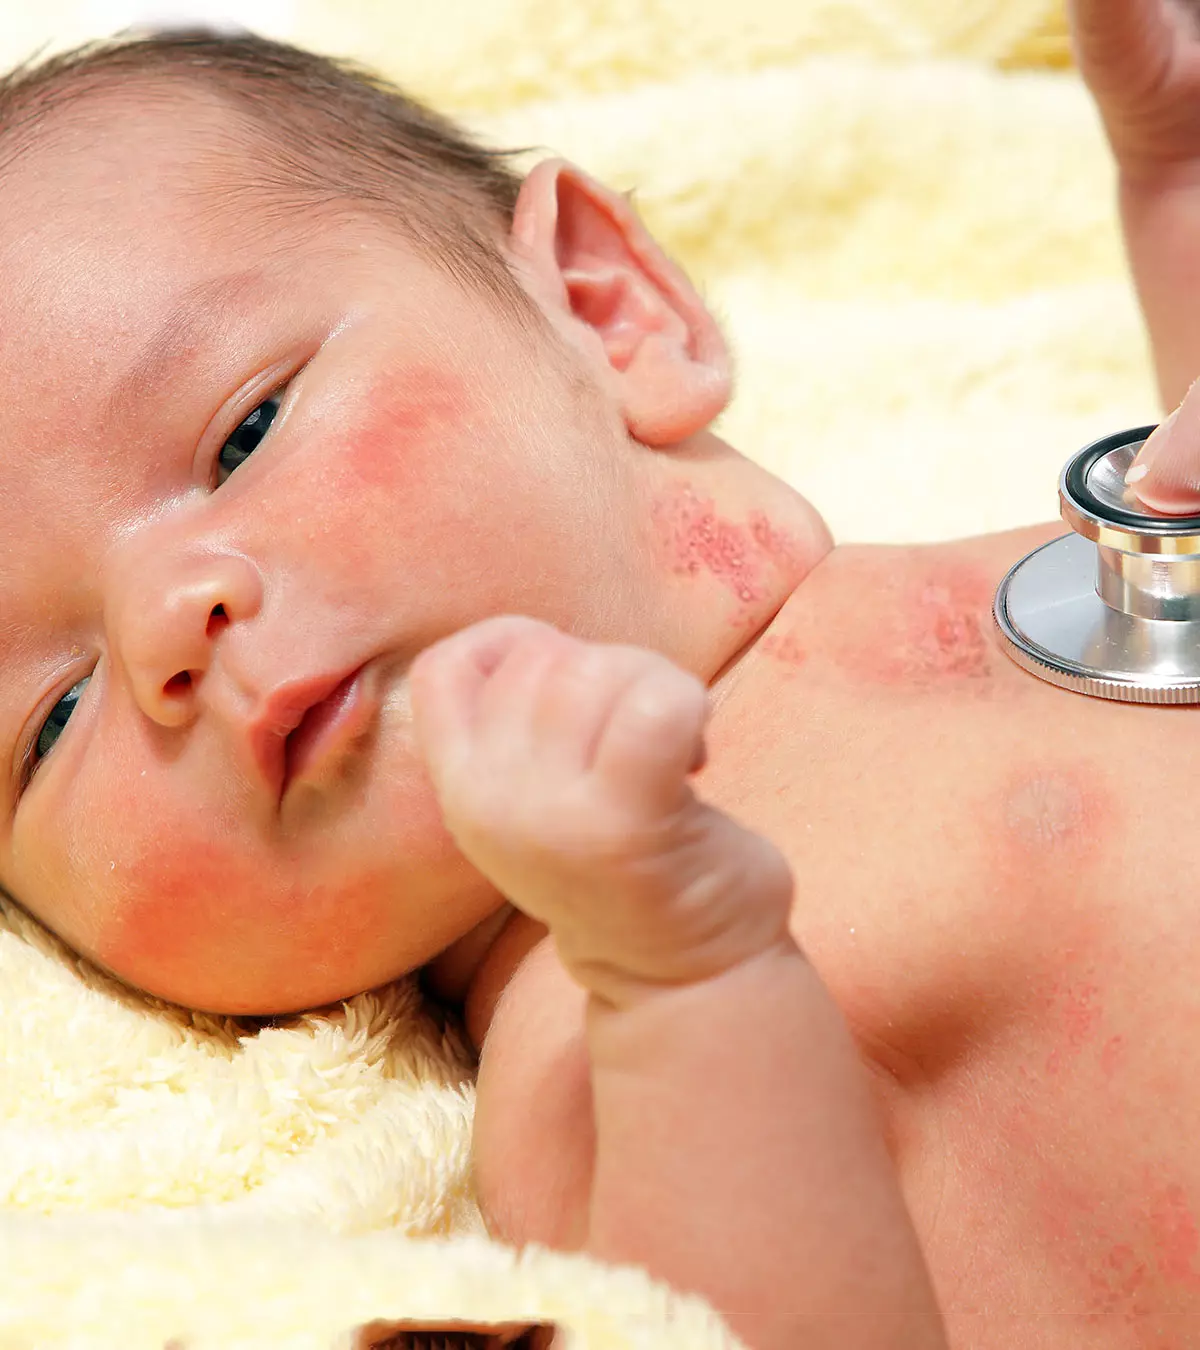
{"x":165,"y":157}
{"x":100,"y":235}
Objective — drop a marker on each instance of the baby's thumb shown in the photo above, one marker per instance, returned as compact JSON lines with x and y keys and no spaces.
{"x":1165,"y":473}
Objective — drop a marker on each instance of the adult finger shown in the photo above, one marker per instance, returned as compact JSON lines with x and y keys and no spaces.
{"x":1165,"y":473}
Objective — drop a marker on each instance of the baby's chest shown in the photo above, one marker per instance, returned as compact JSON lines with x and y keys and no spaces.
{"x":1052,"y":1169}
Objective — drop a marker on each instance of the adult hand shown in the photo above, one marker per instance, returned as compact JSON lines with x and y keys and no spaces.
{"x":1141,"y":61}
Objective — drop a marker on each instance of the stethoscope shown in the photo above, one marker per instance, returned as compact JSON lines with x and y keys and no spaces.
{"x":1112,"y":609}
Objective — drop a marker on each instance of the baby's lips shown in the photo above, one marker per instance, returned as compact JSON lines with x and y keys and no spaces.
{"x":1165,"y":473}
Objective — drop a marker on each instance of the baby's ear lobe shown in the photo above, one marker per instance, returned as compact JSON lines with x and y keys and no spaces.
{"x":634,"y":311}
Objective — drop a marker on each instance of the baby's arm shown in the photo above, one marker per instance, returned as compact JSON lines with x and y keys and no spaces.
{"x":736,"y":1148}
{"x":1141,"y":61}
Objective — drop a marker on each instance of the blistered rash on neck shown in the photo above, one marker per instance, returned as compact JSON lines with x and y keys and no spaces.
{"x":751,"y":560}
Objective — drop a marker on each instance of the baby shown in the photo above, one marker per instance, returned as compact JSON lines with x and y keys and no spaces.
{"x":377,"y":598}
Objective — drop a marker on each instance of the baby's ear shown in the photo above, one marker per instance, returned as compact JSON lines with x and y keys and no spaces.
{"x":629,"y":308}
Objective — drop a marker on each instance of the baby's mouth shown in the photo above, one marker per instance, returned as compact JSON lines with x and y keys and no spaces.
{"x":327,"y":728}
{"x":305,"y":724}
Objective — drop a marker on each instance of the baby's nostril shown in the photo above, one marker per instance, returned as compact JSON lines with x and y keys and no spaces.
{"x":216,"y":620}
{"x":178,"y":684}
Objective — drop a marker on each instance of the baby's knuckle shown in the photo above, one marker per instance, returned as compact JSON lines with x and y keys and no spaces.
{"x":480,"y":807}
{"x":665,"y":697}
{"x":589,"y":671}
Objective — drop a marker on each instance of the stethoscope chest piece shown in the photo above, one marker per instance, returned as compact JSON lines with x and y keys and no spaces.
{"x":1113,"y":609}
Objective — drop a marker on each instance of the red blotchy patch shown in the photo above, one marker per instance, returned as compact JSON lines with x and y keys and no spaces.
{"x":1118,"y":1281}
{"x":696,"y":540}
{"x":1080,"y":1013}
{"x":404,"y":410}
{"x":1074,"y":1014}
{"x":775,"y":543}
{"x":783,"y":647}
{"x":1174,"y":1235}
{"x":1050,"y":810}
{"x":1112,"y":1056}
{"x":947,"y":639}
{"x":934,"y":629}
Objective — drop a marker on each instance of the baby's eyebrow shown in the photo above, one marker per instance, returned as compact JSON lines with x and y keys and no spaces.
{"x":201,"y":308}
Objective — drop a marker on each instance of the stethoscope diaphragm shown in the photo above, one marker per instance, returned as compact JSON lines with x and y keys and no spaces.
{"x":1112,"y":609}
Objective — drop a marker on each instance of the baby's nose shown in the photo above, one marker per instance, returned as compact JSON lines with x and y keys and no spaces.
{"x":169,"y":620}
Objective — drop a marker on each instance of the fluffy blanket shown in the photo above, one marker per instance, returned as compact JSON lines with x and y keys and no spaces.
{"x":903,"y":211}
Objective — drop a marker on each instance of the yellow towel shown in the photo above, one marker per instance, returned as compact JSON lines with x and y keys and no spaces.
{"x":903,"y":211}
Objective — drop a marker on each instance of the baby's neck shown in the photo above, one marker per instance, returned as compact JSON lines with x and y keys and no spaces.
{"x":727,"y":544}
{"x":731,"y":543}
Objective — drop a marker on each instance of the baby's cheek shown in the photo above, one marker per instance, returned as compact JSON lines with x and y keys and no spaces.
{"x":401,"y":473}
{"x":166,"y":908}
{"x":405,"y":417}
{"x":198,"y":922}
{"x":399,"y":439}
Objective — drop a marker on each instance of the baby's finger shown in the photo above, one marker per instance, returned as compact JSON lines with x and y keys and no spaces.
{"x":575,"y":706}
{"x":447,"y":681}
{"x":507,"y":704}
{"x":654,"y":738}
{"x":1165,"y":473}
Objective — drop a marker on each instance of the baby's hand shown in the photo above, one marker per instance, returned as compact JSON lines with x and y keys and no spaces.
{"x":1141,"y":61}
{"x":1166,"y":471}
{"x":562,"y":771}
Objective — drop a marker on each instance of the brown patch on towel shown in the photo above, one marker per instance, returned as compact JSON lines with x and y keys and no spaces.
{"x":452,"y":1336}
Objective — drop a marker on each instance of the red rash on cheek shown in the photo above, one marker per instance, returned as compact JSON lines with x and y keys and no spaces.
{"x":406,"y":413}
{"x":195,"y":927}
{"x":169,"y":914}
{"x":695,"y":541}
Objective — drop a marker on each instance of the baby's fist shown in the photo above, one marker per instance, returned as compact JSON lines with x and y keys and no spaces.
{"x":561,"y":767}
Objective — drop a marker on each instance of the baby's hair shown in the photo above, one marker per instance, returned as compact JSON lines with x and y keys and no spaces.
{"x":333,"y":133}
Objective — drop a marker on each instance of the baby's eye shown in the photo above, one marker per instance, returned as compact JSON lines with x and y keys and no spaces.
{"x":246,"y":436}
{"x":59,"y":716}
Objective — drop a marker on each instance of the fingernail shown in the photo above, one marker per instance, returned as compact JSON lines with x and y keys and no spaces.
{"x":1150,"y":450}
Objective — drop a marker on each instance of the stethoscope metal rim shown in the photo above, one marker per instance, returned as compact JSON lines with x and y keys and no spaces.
{"x":1079,"y":676}
{"x":1048,"y":610}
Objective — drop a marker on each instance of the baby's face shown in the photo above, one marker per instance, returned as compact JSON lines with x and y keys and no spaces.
{"x":178,"y":588}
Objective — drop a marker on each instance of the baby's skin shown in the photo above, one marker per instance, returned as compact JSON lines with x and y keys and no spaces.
{"x":916,"y":1058}
{"x":617,"y":885}
{"x":736,"y":1146}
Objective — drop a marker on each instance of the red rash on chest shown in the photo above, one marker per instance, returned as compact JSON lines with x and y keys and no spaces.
{"x":784,"y":648}
{"x":934,"y":628}
{"x":745,"y":557}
